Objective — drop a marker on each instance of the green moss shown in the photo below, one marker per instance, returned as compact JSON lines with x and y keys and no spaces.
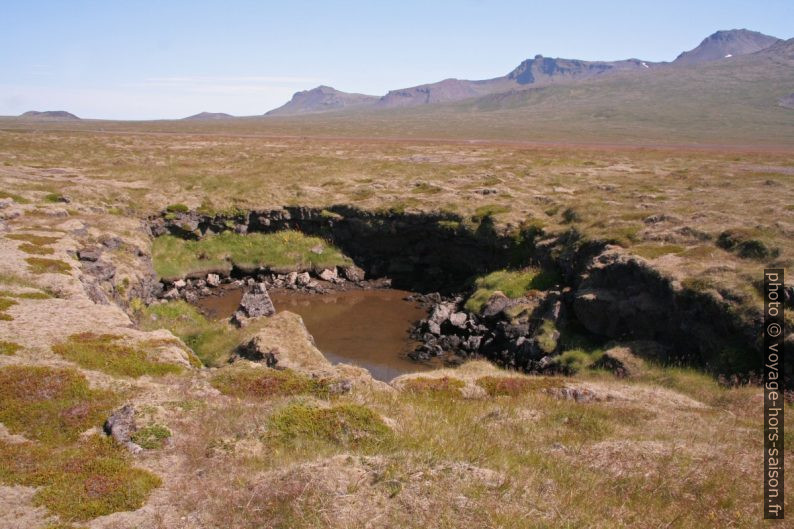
{"x":747,"y":243}
{"x":53,"y":198}
{"x":50,"y":405}
{"x":281,"y":251}
{"x":102,"y":352}
{"x":513,"y":284}
{"x":547,"y":337}
{"x":451,"y":225}
{"x":570,"y":215}
{"x":444,"y":386}
{"x":38,"y":240}
{"x":42,"y":265}
{"x":652,"y":251}
{"x":9,"y":348}
{"x":25,"y":295}
{"x":251,"y":382}
{"x":575,"y":360}
{"x":572,"y":423}
{"x":424,"y":188}
{"x":5,"y":304}
{"x":350,"y":425}
{"x":622,"y":235}
{"x":16,"y":198}
{"x":489,"y":210}
{"x":515,"y":386}
{"x":79,"y":482}
{"x":326,"y":214}
{"x":177,"y":208}
{"x":151,"y":437}
{"x":35,"y":250}
{"x":211,"y":341}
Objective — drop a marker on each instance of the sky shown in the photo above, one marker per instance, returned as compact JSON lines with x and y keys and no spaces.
{"x":170,"y":59}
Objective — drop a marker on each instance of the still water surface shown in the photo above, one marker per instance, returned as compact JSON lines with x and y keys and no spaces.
{"x":368,"y":328}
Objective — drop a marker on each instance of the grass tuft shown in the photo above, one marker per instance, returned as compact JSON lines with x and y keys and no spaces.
{"x":50,"y":405}
{"x":263,"y":383}
{"x":9,"y":348}
{"x":177,"y":208}
{"x":513,"y":284}
{"x":42,"y":265}
{"x":652,"y":251}
{"x":350,"y":425}
{"x":151,"y":437}
{"x":35,"y":250}
{"x":5,"y":304}
{"x":515,"y":386}
{"x":79,"y":482}
{"x":212,"y":341}
{"x":101,"y":352}
{"x":38,"y":240}
{"x":442,"y":386}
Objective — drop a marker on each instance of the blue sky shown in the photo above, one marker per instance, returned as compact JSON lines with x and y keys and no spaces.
{"x":145,"y":60}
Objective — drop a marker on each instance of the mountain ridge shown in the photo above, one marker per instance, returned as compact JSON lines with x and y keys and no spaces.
{"x":537,"y":71}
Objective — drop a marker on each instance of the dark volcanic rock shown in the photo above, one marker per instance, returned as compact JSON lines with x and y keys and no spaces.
{"x":255,"y":303}
{"x":121,"y":426}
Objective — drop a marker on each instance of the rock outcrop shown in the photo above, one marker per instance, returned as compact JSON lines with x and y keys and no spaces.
{"x":254,"y":304}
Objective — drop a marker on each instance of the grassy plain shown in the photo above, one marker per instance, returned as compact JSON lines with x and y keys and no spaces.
{"x":667,"y":447}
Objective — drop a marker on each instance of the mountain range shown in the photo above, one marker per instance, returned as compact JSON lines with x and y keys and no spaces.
{"x":531,"y":73}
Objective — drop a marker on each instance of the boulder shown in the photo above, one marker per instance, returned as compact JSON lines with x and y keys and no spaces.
{"x":441,"y":313}
{"x":303,"y":279}
{"x":256,"y":302}
{"x":213,"y":280}
{"x":328,"y":274}
{"x":353,"y":273}
{"x":102,"y":270}
{"x":89,"y":254}
{"x":291,"y":278}
{"x":180,"y":283}
{"x":495,"y":305}
{"x":285,"y":343}
{"x":433,"y":327}
{"x":620,"y":361}
{"x":458,"y":319}
{"x":171,"y":294}
{"x":121,"y":425}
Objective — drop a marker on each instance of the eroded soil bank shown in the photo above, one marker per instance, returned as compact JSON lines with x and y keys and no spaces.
{"x":603,"y":292}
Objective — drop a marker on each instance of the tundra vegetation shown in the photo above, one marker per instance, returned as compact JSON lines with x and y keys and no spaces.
{"x":229,"y":444}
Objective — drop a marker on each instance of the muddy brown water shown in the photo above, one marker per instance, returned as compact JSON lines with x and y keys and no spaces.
{"x":368,"y":328}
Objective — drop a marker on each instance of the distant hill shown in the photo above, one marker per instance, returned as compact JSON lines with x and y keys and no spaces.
{"x":49,"y":115}
{"x":321,"y":99}
{"x":727,"y":44}
{"x":535,"y":72}
{"x":720,"y":101}
{"x":209,"y":115}
{"x":538,"y":71}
